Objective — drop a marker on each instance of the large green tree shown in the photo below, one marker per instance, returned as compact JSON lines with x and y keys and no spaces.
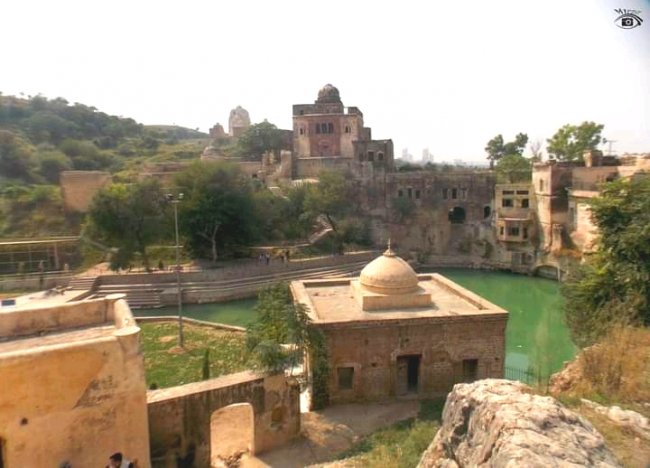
{"x":331,"y":197}
{"x":130,"y":218}
{"x":570,"y":141}
{"x":613,"y":285}
{"x":217,"y":210}
{"x":513,"y":168}
{"x":257,"y":140}
{"x":497,"y":148}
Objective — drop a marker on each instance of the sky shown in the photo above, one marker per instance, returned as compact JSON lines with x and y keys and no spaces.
{"x":447,"y":76}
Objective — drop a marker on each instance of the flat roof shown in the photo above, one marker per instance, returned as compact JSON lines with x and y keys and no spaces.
{"x":333,"y":302}
{"x":54,"y":338}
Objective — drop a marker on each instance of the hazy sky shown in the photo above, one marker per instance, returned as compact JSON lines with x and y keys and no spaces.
{"x":444,"y":75}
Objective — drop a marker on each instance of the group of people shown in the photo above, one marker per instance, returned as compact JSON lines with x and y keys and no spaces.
{"x":265,"y":257}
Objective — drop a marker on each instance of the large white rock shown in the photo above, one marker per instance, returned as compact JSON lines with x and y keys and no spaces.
{"x":500,"y":423}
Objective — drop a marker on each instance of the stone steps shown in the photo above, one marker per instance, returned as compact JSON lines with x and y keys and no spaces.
{"x":82,"y":283}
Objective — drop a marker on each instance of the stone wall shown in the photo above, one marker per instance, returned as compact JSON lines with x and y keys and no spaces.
{"x":79,"y":187}
{"x":372,"y":350}
{"x":181,"y":418}
{"x":73,"y":385}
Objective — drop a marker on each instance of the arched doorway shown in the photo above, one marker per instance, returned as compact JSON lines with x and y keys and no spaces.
{"x":457,"y":215}
{"x":232,"y":432}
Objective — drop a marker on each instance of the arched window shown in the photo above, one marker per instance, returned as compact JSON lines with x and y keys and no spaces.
{"x":347,"y":129}
{"x":487,"y":211}
{"x":456,"y":215}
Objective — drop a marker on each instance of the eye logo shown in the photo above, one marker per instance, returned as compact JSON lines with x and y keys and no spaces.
{"x":628,"y":19}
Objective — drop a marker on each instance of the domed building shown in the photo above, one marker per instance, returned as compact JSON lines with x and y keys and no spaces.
{"x":394,"y":333}
{"x":335,"y":134}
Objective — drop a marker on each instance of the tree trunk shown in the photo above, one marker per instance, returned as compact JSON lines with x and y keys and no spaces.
{"x":214,"y":244}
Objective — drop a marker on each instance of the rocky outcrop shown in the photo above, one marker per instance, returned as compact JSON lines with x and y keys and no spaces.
{"x":500,"y":423}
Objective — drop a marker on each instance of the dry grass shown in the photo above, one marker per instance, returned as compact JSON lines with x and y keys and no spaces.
{"x":618,"y":368}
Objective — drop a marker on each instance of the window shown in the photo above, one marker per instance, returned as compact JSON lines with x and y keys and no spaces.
{"x":323,"y":128}
{"x":454,"y":193}
{"x":463,"y":193}
{"x":487,"y":211}
{"x":513,"y":231}
{"x":522,"y":192}
{"x":345,"y":377}
{"x":400,"y":193}
{"x":302,"y":112}
{"x":445,"y":193}
{"x":541,"y":185}
{"x":524,"y":203}
{"x":525,"y":233}
{"x":508,"y":192}
{"x":417,"y":194}
{"x":347,"y":129}
{"x":330,"y":128}
{"x":371,"y":155}
{"x":302,"y":132}
{"x":410,"y":192}
{"x":456,"y":215}
{"x":506,"y":203}
{"x":470,"y":370}
{"x":380,"y":156}
{"x":501,"y":230}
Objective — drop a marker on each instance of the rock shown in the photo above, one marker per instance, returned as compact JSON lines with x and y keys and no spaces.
{"x":631,"y":419}
{"x":501,"y":423}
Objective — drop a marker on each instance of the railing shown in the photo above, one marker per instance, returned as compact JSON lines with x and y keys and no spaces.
{"x":528,"y":376}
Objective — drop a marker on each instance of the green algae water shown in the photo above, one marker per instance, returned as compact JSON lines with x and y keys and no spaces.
{"x":239,"y":312}
{"x":537,"y":340}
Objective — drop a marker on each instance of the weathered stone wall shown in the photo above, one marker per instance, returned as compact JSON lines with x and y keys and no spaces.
{"x":79,"y":187}
{"x":443,"y":343}
{"x":75,"y":391}
{"x":180,"y":417}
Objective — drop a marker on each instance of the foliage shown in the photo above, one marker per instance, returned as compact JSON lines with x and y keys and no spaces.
{"x":52,"y":163}
{"x":330,"y":197}
{"x":283,"y":335}
{"x":513,"y":168}
{"x":15,"y":157}
{"x":130,"y":218}
{"x":257,"y":140}
{"x":217,"y":210}
{"x":166,"y":368}
{"x":496,"y":148}
{"x":570,"y":141}
{"x":403,"y":208}
{"x":400,"y":445}
{"x":613,"y":285}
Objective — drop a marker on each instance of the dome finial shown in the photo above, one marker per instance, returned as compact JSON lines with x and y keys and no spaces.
{"x":389,"y":252}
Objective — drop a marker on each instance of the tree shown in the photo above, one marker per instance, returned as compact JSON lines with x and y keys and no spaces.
{"x":257,"y":140}
{"x":283,"y":335}
{"x":15,"y":157}
{"x":613,"y":285}
{"x":571,"y":141}
{"x":217,"y":210}
{"x":51,"y":164}
{"x":129,"y":217}
{"x":496,"y":148}
{"x":513,"y":168}
{"x":331,"y":197}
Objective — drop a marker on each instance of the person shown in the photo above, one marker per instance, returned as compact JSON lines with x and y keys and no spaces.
{"x":117,"y":460}
{"x":287,"y":253}
{"x":161,"y":265}
{"x":268,"y":258}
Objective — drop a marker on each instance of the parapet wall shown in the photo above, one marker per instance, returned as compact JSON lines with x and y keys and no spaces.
{"x":181,"y":418}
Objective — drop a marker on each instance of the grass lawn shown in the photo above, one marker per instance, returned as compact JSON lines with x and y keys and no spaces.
{"x":166,"y":365}
{"x":400,"y":445}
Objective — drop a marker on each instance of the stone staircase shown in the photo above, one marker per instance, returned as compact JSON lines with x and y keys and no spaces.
{"x":150,"y":295}
{"x":82,"y":283}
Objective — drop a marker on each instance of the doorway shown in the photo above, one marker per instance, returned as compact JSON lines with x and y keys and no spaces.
{"x":408,"y":374}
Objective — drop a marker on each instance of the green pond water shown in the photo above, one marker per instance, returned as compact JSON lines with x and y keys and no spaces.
{"x":536,"y":336}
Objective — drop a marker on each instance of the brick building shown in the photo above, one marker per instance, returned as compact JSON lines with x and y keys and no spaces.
{"x":393,"y":333}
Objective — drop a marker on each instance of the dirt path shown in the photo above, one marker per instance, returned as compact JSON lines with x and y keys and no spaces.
{"x":331,"y":431}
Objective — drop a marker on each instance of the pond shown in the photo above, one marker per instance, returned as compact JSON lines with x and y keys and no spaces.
{"x":536,"y":336}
